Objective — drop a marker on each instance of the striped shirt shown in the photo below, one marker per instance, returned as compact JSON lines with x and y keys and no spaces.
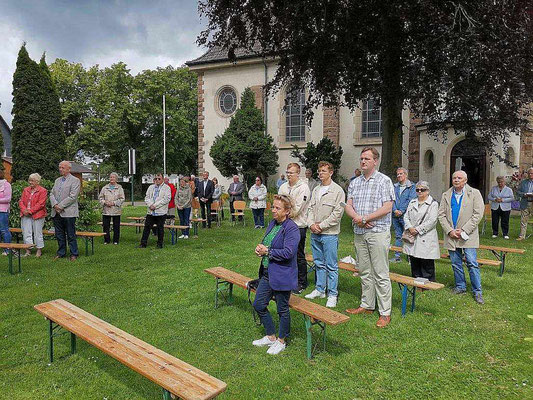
{"x":369,"y":195}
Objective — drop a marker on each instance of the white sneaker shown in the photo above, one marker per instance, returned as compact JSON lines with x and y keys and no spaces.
{"x":506,"y":237}
{"x":276,"y":348}
{"x":314,"y":294}
{"x":494,"y":236}
{"x":181,"y":237}
{"x":332,"y":302}
{"x":264,"y":341}
{"x":186,"y":237}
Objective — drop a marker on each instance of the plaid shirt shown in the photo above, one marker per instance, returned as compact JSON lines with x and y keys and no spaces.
{"x":368,"y":196}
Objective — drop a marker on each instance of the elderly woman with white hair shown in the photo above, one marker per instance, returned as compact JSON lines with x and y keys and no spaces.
{"x":111,"y":198}
{"x":420,"y":238}
{"x":32,"y":206}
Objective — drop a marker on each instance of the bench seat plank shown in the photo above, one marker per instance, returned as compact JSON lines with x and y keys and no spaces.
{"x":497,"y":248}
{"x":16,"y":246}
{"x":167,"y":371}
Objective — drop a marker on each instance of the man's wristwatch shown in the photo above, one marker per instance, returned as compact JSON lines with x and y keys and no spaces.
{"x":363,"y":220}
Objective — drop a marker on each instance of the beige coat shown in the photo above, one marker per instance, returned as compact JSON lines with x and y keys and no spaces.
{"x":67,"y":197}
{"x":426,"y":243}
{"x":115,"y":195}
{"x":161,"y":202}
{"x":326,"y":210}
{"x":300,"y":195}
{"x":471,"y":213}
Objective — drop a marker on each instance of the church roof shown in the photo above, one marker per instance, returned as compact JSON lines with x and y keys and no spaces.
{"x":219,"y":54}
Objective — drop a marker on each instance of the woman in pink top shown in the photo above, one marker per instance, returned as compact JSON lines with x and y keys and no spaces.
{"x":32,"y":206}
{"x":5,"y":199}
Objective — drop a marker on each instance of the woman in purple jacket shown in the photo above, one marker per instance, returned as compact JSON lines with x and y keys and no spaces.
{"x":278,"y":272}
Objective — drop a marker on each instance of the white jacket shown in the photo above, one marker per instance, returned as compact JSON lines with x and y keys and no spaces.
{"x":261,"y":194}
{"x":300,"y":195}
{"x":426,"y":243}
{"x":161,"y":202}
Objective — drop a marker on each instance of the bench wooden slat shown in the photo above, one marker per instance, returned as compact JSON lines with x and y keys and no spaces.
{"x":497,"y":248}
{"x":17,"y":246}
{"x":163,"y":369}
{"x":312,"y":310}
{"x":481,"y":261}
{"x":52,"y":233}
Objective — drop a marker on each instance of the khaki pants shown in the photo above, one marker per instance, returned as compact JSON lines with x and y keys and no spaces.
{"x":373,"y":262}
{"x":524,"y":217}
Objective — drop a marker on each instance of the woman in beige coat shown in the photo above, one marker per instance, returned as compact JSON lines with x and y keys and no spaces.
{"x":111,"y":198}
{"x":420,"y":220}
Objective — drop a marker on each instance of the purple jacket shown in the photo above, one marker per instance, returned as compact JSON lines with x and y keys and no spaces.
{"x":282,"y":267}
{"x":5,"y":195}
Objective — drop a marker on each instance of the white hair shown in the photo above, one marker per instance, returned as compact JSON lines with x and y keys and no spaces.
{"x":113,"y":173}
{"x":35,"y":177}
{"x":402,"y":169}
{"x":423,"y":185}
{"x":461,"y":172}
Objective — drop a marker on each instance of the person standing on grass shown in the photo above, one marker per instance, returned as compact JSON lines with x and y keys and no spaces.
{"x":183,"y":202}
{"x":64,"y":201}
{"x":500,"y":197}
{"x":324,"y":221}
{"x":311,"y":182}
{"x":370,"y":199}
{"x":525,"y":192}
{"x":5,"y":200}
{"x":257,"y":195}
{"x":278,"y":274}
{"x":235,"y":193}
{"x":171,"y":213}
{"x":111,"y":198}
{"x":156,"y":199}
{"x":204,"y":191}
{"x":32,"y":205}
{"x":299,"y":192}
{"x":461,"y":209}
{"x":404,"y":191}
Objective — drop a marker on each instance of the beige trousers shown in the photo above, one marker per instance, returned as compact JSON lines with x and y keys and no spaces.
{"x":373,"y":261}
{"x":524,"y":217}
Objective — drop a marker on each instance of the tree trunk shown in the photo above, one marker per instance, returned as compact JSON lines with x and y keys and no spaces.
{"x":391,"y":151}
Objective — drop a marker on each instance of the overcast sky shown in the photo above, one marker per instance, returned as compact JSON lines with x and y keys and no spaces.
{"x":143,"y":34}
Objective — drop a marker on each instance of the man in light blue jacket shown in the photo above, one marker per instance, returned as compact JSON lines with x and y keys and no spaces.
{"x":404,"y":190}
{"x":500,"y":198}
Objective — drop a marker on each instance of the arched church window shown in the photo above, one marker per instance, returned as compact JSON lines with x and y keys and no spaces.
{"x":227,"y":101}
{"x":294,"y":115}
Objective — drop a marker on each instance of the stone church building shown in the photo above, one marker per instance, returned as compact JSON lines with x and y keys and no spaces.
{"x":221,"y":84}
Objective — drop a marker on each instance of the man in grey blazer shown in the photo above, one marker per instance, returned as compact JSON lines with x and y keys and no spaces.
{"x":235,"y":193}
{"x":64,"y":201}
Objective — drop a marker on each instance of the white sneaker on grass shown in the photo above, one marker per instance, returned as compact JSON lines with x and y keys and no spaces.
{"x":506,"y":237}
{"x":276,"y":348}
{"x":332,"y":302}
{"x":185,"y":236}
{"x":314,"y":294}
{"x":181,"y":237}
{"x":264,"y":341}
{"x":494,"y":236}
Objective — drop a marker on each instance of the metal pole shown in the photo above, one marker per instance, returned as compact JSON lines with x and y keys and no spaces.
{"x":164,"y":138}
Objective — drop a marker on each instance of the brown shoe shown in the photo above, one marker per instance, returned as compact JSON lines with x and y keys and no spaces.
{"x":519,"y":238}
{"x":57,"y":258}
{"x":73,"y":258}
{"x":383,"y":321}
{"x":359,"y":310}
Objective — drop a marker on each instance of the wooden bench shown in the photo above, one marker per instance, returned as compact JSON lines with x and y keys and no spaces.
{"x":14,"y":247}
{"x":173,"y":375}
{"x":314,"y":314}
{"x":172,"y":228}
{"x":88,"y":236}
{"x":407,"y":284}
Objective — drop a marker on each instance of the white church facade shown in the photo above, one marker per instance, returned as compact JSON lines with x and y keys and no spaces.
{"x":221,"y":83}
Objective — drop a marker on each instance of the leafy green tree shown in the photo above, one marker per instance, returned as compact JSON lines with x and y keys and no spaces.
{"x":37,"y":134}
{"x":465,"y":63}
{"x":245,"y":147}
{"x":325,"y":150}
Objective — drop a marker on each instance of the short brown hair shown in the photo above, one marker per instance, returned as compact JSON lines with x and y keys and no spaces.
{"x":375,"y":152}
{"x":295,"y":165}
{"x":326,"y":164}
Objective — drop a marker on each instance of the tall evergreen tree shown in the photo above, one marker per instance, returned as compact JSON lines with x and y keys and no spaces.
{"x":245,"y":147}
{"x":38,"y":137}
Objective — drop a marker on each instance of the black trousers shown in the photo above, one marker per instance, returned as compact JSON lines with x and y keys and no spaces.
{"x":422,"y":268}
{"x":300,"y":259}
{"x":203,"y":207}
{"x":498,"y":215}
{"x":150,"y":220}
{"x":116,"y":227}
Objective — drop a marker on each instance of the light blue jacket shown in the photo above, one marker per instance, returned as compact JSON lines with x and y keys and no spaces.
{"x":506,"y":195}
{"x":402,"y":200}
{"x":526,"y":186}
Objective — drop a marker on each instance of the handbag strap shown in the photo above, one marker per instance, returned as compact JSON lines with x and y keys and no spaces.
{"x":426,"y":213}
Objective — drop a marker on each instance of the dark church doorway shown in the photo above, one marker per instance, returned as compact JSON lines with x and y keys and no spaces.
{"x":470,"y":156}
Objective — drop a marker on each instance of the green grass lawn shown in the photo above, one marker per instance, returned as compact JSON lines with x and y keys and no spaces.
{"x":450,"y":347}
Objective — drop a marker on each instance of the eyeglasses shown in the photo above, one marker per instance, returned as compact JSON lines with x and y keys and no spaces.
{"x":291,"y":173}
{"x":420,"y":190}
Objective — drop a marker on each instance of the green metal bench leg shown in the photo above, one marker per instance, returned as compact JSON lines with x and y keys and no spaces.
{"x":51,"y":340}
{"x":92,"y":246}
{"x":404,"y":298}
{"x":221,"y":287}
{"x":10,"y":261}
{"x":413,"y":300}
{"x":166,"y":395}
{"x":86,"y":246}
{"x":502,"y":263}
{"x":72,"y":343}
{"x":308,"y":327}
{"x":20,"y":268}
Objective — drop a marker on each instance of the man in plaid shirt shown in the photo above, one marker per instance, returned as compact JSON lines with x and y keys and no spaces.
{"x":370,"y":199}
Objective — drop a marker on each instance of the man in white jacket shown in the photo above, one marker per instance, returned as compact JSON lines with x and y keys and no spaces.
{"x":299,"y":192}
{"x":157,"y":198}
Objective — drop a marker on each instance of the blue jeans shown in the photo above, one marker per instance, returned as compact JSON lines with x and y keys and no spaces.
{"x":259,"y":216}
{"x":262,"y":297}
{"x":325,"y":259}
{"x":456,"y":258}
{"x":4,"y":227}
{"x":399,"y":227}
{"x":65,"y":229}
{"x":185,"y":216}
